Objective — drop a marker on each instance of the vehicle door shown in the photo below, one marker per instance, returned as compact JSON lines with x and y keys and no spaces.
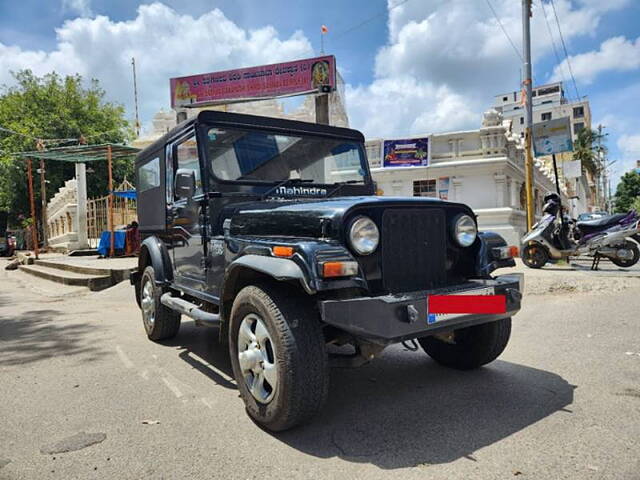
{"x":186,"y":220}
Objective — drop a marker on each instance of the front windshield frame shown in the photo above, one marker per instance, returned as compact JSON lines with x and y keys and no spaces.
{"x":203,"y":129}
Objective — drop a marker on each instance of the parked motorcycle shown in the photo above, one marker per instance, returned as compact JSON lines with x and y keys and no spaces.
{"x":557,"y":236}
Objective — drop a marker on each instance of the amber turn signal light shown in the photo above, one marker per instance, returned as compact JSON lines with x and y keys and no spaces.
{"x":339,"y":269}
{"x":282,"y":251}
{"x":502,"y":253}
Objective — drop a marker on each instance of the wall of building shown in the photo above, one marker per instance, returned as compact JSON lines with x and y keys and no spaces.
{"x":482,"y":168}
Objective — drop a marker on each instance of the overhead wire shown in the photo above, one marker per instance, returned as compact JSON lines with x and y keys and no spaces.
{"x":368,"y":20}
{"x":553,"y":42}
{"x":504,"y":30}
{"x":564,"y":47}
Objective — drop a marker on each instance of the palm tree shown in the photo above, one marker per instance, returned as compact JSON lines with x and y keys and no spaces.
{"x":588,"y":149}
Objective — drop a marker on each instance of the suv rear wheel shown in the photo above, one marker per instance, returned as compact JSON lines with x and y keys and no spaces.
{"x":470,"y":347}
{"x":278,"y":356}
{"x":160,"y":322}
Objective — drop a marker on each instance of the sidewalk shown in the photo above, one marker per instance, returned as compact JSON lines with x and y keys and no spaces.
{"x":576,"y":277}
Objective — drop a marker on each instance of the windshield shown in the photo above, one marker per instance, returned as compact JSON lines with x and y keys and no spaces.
{"x":254,"y":155}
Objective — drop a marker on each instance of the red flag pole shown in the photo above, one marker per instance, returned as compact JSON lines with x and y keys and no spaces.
{"x":111,"y":227}
{"x":32,"y":201}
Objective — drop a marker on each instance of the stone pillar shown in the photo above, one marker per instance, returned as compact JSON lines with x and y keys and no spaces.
{"x":499,"y":179}
{"x":81,"y":215}
{"x":456,"y":189}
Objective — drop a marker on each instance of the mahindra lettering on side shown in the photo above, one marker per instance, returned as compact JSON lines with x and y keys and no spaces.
{"x":269,"y":230}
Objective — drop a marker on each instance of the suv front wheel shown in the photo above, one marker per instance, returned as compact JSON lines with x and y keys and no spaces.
{"x":278,"y":356}
{"x":470,"y":347}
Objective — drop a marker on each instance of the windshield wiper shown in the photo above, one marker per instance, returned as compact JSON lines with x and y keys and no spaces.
{"x":288,"y":181}
{"x":339,"y":186}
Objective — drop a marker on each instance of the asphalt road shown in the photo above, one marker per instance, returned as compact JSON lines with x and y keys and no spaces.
{"x":562,"y":402}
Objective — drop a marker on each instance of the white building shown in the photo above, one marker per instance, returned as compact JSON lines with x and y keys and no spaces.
{"x":483,"y":168}
{"x":549,"y":102}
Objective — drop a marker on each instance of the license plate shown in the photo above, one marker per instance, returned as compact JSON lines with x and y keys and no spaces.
{"x":440,"y":317}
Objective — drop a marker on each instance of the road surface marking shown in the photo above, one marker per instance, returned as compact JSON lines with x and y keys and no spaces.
{"x":127,"y":363}
{"x":172,"y":386}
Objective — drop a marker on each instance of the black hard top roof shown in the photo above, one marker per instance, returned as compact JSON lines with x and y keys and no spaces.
{"x":253,"y":121}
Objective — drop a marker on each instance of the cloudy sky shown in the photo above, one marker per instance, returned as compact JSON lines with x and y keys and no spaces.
{"x":411,"y":66}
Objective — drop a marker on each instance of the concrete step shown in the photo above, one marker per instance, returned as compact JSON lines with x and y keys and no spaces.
{"x":91,"y":281}
{"x":69,"y":267}
{"x":116,"y":274}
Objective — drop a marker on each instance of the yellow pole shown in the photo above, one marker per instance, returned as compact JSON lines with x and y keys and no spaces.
{"x":529,"y":180}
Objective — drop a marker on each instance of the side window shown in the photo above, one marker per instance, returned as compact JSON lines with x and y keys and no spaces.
{"x":169,"y":173}
{"x":186,"y":158}
{"x":149,"y":175}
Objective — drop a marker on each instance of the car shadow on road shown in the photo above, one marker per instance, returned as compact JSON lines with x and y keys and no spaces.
{"x":202,"y":350}
{"x":36,"y":335}
{"x":404,"y":410}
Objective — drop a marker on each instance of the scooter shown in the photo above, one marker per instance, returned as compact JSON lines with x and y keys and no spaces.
{"x":557,"y":236}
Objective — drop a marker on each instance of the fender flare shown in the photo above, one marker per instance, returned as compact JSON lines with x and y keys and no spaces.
{"x":485,"y":261}
{"x":154,"y":252}
{"x":280,"y":269}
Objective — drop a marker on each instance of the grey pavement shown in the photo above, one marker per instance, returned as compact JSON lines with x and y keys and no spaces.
{"x":79,"y":377}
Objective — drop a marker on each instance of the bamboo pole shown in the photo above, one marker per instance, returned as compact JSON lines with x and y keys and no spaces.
{"x":32,"y":201}
{"x":111,"y":226}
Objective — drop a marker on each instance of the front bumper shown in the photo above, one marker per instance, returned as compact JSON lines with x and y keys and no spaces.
{"x":394,"y":318}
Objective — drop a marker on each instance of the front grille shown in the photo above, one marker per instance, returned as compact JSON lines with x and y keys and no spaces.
{"x":413,"y":249}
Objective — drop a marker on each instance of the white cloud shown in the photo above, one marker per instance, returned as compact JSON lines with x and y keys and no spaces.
{"x":445,"y":61}
{"x":629,"y":146}
{"x":165,"y":44}
{"x":80,"y":7}
{"x":615,"y":54}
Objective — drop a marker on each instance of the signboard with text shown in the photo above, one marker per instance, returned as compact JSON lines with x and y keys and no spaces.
{"x":278,"y":79}
{"x":552,"y":136}
{"x":411,"y":152}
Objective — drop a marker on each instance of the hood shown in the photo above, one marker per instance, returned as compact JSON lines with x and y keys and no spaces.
{"x":311,"y":218}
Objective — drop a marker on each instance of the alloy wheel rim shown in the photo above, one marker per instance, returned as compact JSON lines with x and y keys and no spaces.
{"x":257,"y":358}
{"x":147,"y":303}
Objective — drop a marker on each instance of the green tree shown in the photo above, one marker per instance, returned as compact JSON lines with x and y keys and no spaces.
{"x":628,"y":192}
{"x":55,"y":107}
{"x":586,"y":148}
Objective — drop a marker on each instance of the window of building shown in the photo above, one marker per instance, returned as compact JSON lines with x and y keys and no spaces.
{"x":546,"y":116}
{"x":521,"y":120}
{"x":534,"y":93}
{"x":504,"y":99}
{"x":578,"y":112}
{"x":548,"y":90}
{"x":186,"y":154}
{"x":424,"y":188}
{"x":577,"y":127}
{"x":546,"y":102}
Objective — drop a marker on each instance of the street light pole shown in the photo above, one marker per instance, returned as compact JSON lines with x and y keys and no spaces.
{"x":527,"y":91}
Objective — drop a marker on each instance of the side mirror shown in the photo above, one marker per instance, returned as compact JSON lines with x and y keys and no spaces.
{"x":185,"y":183}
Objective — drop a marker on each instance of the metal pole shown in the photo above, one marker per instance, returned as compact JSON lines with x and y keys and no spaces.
{"x":135,"y":95}
{"x":43,"y":194}
{"x":111,"y":227}
{"x":32,"y":201}
{"x":322,"y":108}
{"x":526,"y":47}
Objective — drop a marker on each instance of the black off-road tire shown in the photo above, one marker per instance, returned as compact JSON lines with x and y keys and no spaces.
{"x":292,"y":322}
{"x":474,"y":346}
{"x":166,"y":322}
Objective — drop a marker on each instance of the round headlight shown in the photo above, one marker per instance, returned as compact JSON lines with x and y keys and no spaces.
{"x":364,"y":235}
{"x":465,"y":230}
